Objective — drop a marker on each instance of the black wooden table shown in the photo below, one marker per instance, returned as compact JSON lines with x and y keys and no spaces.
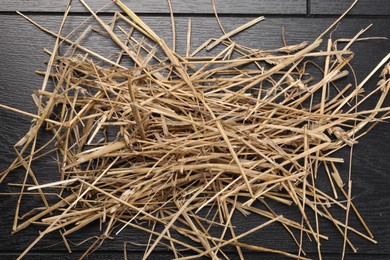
{"x":21,"y":53}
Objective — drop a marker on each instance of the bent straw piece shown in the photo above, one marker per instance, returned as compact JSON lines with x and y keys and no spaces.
{"x":235,"y":31}
{"x":338,"y":20}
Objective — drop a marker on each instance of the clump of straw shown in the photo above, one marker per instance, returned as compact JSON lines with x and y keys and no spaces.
{"x":185,"y":143}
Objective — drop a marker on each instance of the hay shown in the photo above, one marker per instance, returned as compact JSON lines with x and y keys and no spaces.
{"x":187,"y":142}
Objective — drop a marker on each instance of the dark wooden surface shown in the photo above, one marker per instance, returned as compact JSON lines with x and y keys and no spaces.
{"x":179,"y":6}
{"x":363,"y":7}
{"x":21,"y":52}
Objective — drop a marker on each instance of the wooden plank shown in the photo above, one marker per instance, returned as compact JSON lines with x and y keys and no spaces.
{"x":363,"y":7}
{"x":96,"y":256}
{"x":161,"y":6}
{"x":21,"y":47}
{"x":164,"y":255}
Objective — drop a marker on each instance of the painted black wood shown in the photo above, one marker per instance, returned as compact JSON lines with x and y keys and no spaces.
{"x":21,"y":54}
{"x":161,"y":6}
{"x":363,"y":7}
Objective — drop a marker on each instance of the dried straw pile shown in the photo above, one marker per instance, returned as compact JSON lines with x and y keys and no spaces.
{"x":186,"y":143}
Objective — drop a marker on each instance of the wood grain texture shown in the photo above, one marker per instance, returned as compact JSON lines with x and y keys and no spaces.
{"x":161,"y":6}
{"x":163,"y":255}
{"x":363,"y":7}
{"x":21,"y":50}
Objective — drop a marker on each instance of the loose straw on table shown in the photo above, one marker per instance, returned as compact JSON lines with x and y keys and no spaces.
{"x":190,"y":143}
